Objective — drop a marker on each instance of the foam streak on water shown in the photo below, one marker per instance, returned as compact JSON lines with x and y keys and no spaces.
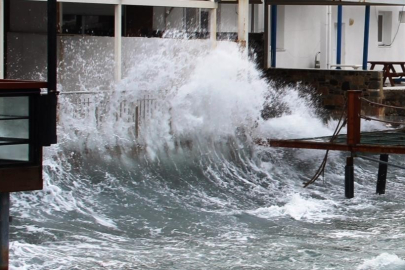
{"x":192,"y":190}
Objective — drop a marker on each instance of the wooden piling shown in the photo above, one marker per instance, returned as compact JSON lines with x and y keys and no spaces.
{"x":4,"y":229}
{"x":349,"y":178}
{"x":382,"y":174}
{"x":353,"y":117}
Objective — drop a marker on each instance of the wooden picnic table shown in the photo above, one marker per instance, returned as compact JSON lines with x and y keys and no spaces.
{"x":389,"y":69}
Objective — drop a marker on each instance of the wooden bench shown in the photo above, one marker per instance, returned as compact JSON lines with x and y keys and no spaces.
{"x":389,"y":69}
{"x":344,"y":66}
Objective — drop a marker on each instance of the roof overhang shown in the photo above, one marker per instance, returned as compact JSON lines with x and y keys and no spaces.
{"x":157,"y":3}
{"x":339,"y":2}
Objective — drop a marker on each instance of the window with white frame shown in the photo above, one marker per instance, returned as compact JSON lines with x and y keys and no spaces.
{"x":384,"y":28}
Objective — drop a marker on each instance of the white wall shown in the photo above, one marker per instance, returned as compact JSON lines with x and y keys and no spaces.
{"x":302,"y":36}
{"x":353,"y":39}
{"x":397,"y":50}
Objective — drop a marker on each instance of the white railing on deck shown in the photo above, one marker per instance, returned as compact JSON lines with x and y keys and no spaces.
{"x":82,"y":105}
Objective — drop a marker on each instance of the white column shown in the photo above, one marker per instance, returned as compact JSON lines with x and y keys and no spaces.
{"x":1,"y":39}
{"x":329,"y":37}
{"x":213,"y":26}
{"x":117,"y":41}
{"x":243,"y":22}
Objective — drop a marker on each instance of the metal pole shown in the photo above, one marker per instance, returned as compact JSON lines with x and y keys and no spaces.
{"x":2,"y":39}
{"x":366,"y":37}
{"x":382,"y":174}
{"x":273,"y":35}
{"x":51,"y":99}
{"x":266,"y":35}
{"x":252,"y":19}
{"x":52,"y":45}
{"x":339,"y":37}
{"x":4,"y":229}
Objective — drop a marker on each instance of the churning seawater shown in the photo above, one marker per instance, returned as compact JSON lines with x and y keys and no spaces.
{"x":190,"y":190}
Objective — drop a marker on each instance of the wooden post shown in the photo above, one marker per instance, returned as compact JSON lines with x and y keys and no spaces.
{"x":4,"y":229}
{"x":353,"y":117}
{"x":382,"y":174}
{"x":349,"y":178}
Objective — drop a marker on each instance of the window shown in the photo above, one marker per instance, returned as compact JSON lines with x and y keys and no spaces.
{"x":380,"y":26}
{"x":88,"y":25}
{"x":280,"y":25}
{"x":384,"y":28}
{"x":88,"y":19}
{"x":197,"y":22}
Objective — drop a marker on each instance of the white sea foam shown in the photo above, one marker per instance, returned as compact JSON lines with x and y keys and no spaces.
{"x":212,"y":98}
{"x":298,"y":208}
{"x":384,"y":261}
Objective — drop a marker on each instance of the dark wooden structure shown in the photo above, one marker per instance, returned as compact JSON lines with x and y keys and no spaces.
{"x":21,"y":125}
{"x":27,"y":123}
{"x":355,"y":142}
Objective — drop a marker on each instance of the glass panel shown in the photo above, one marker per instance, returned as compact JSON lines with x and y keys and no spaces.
{"x":14,"y":107}
{"x":14,"y":129}
{"x":14,"y":153}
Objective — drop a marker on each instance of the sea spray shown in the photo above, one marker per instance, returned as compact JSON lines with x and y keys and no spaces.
{"x":191,"y":190}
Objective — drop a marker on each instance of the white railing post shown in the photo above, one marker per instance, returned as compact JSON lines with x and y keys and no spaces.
{"x":243,"y":23}
{"x":213,"y":26}
{"x":117,"y":41}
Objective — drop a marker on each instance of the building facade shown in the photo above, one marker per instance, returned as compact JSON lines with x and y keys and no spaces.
{"x":306,"y":34}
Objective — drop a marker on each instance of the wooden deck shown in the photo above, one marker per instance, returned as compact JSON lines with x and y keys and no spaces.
{"x":378,"y":142}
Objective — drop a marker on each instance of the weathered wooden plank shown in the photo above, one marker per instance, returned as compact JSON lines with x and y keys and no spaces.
{"x":364,"y":148}
{"x":21,"y":179}
{"x":17,"y":84}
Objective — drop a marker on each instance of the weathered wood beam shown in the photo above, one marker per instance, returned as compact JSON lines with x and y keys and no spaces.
{"x":362,"y":148}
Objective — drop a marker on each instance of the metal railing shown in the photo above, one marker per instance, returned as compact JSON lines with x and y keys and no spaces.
{"x":85,"y":105}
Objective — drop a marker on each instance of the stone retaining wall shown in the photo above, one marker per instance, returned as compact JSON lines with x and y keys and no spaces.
{"x":328,"y":87}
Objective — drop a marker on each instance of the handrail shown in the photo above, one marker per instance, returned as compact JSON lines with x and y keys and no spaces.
{"x":380,"y":120}
{"x":382,"y":105}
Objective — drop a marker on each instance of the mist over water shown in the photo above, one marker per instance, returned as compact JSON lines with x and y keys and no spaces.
{"x":189,"y":189}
